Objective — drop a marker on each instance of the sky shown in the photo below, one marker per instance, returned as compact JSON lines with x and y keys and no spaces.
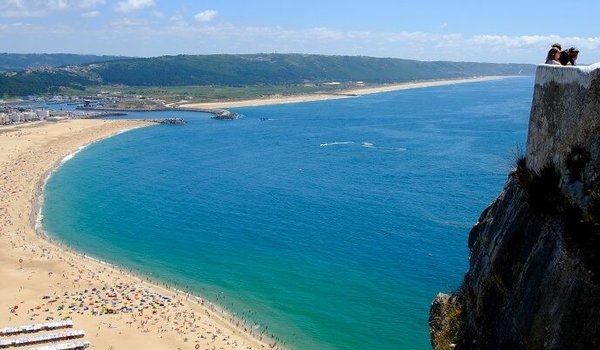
{"x":507,"y":31}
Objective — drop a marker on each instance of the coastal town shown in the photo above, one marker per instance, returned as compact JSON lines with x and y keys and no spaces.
{"x":10,"y":115}
{"x":52,"y":109}
{"x":100,"y":106}
{"x":19,"y":114}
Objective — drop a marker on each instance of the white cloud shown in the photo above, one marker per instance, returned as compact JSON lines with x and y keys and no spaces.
{"x":21,"y":24}
{"x":19,"y":8}
{"x":206,"y":16}
{"x":532,"y":41}
{"x":91,"y":14}
{"x":322,"y":33}
{"x":57,"y":4}
{"x":129,"y":22}
{"x":37,"y":8}
{"x":87,"y":4}
{"x":133,"y":5}
{"x":216,"y":37}
{"x":178,"y":21}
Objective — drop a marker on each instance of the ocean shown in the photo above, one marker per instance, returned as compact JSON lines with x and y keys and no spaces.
{"x":328,"y":224}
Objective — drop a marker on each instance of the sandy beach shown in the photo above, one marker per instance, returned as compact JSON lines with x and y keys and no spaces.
{"x":338,"y":95}
{"x":44,"y":281}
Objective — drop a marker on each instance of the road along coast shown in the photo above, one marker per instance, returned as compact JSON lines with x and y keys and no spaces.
{"x":45,"y":281}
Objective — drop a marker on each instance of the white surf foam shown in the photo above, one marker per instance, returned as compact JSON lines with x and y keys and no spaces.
{"x":70,"y":156}
{"x":393,"y":149}
{"x":336,"y":143}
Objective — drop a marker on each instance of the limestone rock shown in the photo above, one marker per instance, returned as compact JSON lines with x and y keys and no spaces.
{"x":534,"y":267}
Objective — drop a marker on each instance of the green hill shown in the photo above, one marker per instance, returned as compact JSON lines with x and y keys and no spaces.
{"x":245,"y":70}
{"x":288,"y":69}
{"x":17,"y":61}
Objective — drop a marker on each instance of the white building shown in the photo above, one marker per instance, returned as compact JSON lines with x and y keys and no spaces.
{"x":29,"y":116}
{"x":42,"y":113}
{"x":20,"y":117}
{"x":14,"y":117}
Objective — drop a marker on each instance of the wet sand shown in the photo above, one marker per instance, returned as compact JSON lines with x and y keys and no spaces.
{"x":45,"y":281}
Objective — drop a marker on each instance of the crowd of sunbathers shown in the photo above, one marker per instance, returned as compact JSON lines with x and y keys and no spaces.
{"x":562,"y":57}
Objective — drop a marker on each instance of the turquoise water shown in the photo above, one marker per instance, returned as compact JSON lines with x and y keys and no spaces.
{"x":330,"y":224}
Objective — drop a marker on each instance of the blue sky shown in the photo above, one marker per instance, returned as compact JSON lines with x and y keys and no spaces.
{"x":499,"y":31}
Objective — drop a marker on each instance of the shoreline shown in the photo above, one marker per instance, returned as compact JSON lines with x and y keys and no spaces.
{"x":37,"y":205}
{"x":33,"y":261}
{"x":276,"y":100}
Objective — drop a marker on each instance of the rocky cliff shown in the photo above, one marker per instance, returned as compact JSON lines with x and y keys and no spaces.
{"x":534,"y":265}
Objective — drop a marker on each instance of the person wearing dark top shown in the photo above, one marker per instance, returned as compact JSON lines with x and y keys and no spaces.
{"x":569,"y":56}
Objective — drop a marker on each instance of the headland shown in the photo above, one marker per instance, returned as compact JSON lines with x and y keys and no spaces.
{"x":534,"y":274}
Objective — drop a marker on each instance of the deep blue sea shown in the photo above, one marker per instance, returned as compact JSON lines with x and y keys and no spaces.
{"x":330,"y":224}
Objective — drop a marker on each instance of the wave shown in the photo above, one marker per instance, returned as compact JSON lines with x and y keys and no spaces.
{"x":363,"y":144}
{"x":70,"y":156}
{"x":393,"y":149}
{"x":336,"y":143}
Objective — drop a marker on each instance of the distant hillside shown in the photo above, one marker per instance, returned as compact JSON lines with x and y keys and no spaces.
{"x":16,"y":61}
{"x":244,"y":70}
{"x":288,"y":69}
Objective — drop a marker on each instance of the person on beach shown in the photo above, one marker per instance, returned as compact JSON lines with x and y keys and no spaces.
{"x":569,"y":56}
{"x":553,"y":56}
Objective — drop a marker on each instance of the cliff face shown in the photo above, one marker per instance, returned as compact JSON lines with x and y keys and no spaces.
{"x":534,"y":268}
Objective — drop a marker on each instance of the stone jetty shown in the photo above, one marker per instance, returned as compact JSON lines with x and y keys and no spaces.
{"x":223,"y":114}
{"x":172,"y":121}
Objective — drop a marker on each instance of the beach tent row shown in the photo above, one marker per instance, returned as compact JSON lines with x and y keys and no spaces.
{"x":78,"y":345}
{"x":32,"y":328}
{"x":44,"y":338}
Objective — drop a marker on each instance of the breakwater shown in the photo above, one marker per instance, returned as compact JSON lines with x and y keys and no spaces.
{"x":171,"y":121}
{"x":217,"y":113}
